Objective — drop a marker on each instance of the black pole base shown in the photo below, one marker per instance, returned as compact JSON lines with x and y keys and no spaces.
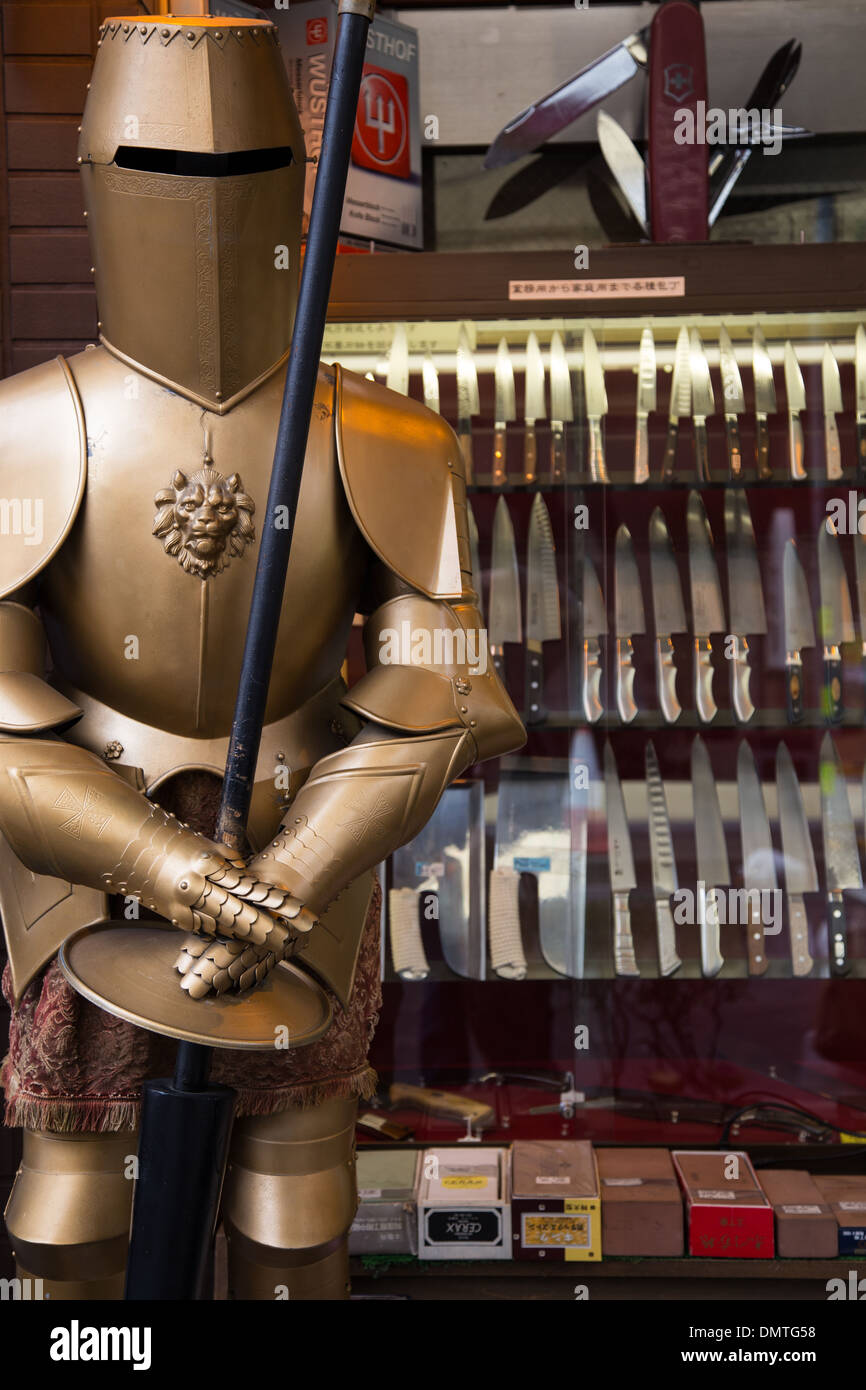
{"x":182,"y":1154}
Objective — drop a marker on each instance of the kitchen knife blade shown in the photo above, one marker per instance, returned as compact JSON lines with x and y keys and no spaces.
{"x":626,"y":165}
{"x":734,"y":402}
{"x":503,"y":619}
{"x":534,"y":407}
{"x":621,"y":866}
{"x":759,"y":863}
{"x":646,"y":404}
{"x":765,"y":402}
{"x":397,"y":376}
{"x":745,"y":598}
{"x":836,"y":617}
{"x":841,"y":857}
{"x":504,"y":410}
{"x":596,"y":405}
{"x":559,"y":108}
{"x":594,"y":629}
{"x":628,"y":620}
{"x":430,"y":383}
{"x":467,"y":398}
{"x":663,"y":864}
{"x":799,"y":629}
{"x":543,"y":622}
{"x":795,"y":392}
{"x":681,"y":402}
{"x":703,"y":403}
{"x":832,"y":391}
{"x":472,"y":525}
{"x":860,"y":571}
{"x":801,"y":876}
{"x":708,"y":612}
{"x":668,"y":611}
{"x":860,"y":399}
{"x":584,"y":807}
{"x":712,"y":855}
{"x":561,"y":407}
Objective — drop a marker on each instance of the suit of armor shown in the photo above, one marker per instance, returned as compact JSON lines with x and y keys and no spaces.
{"x":140,"y":471}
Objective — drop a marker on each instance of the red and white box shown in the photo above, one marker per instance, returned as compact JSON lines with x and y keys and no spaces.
{"x":728,"y":1214}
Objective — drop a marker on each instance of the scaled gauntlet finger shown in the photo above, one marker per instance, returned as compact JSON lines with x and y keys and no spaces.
{"x":216,"y":966}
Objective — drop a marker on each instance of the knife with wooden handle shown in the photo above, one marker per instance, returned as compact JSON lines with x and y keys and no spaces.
{"x":445,"y":1105}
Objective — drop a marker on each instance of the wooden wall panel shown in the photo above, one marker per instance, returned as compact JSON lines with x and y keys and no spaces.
{"x":45,"y":200}
{"x":34,"y":28}
{"x":52,"y":86}
{"x":53,"y":312}
{"x":42,"y":142}
{"x":51,"y":257}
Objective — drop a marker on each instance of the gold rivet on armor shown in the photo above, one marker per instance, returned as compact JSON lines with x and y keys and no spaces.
{"x":190,"y":35}
{"x":464,"y":709}
{"x":472,"y":723}
{"x":183,"y":885}
{"x":219,"y":395}
{"x":142,"y":28}
{"x":297,"y":820}
{"x":217,"y":36}
{"x":281,"y":757}
{"x":85,"y":214}
{"x":174,"y":922}
{"x":99,"y":325}
{"x":93,"y":270}
{"x":79,"y":130}
{"x":126,"y":28}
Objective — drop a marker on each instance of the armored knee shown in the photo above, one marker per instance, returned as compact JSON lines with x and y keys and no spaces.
{"x":289,"y":1202}
{"x":69,"y":1212}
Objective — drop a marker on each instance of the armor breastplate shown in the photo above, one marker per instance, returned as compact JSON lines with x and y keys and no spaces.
{"x":153,"y":625}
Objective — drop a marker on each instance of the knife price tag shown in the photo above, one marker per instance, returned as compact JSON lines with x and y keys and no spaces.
{"x":532,"y":865}
{"x":465,"y":1180}
{"x":664,"y":287}
{"x":807,"y":1210}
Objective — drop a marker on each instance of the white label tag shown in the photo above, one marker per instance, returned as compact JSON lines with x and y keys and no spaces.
{"x":707,"y":1196}
{"x":852,"y":1206}
{"x":550,"y":1182}
{"x":801,"y":1211}
{"x":646,"y":287}
{"x":623,"y":1182}
{"x":369,"y":1193}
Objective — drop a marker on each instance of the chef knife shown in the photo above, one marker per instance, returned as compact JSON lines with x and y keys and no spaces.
{"x":759,"y":862}
{"x":703,"y":403}
{"x":801,"y":876}
{"x":594,"y":629}
{"x":681,"y":402}
{"x":860,"y":571}
{"x":708,"y":613}
{"x":836,"y":616}
{"x":561,"y":407}
{"x":841,"y":857}
{"x":584,"y":805}
{"x":646,"y":404}
{"x":745,"y":598}
{"x":795,"y":392}
{"x":472,"y":525}
{"x":799,"y":629}
{"x":832,"y":391}
{"x":467,"y":398}
{"x":397,"y":376}
{"x":534,"y":407}
{"x":504,"y":410}
{"x":765,"y":402}
{"x":559,"y":108}
{"x":596,"y":405}
{"x":628,"y":620}
{"x":663,"y":864}
{"x":713,"y":868}
{"x":445,"y":1105}
{"x":621,"y":865}
{"x":860,"y":399}
{"x":503,"y":619}
{"x":543,"y":622}
{"x":734,"y":402}
{"x":626,"y":165}
{"x":430,"y":383}
{"x":669,"y":613}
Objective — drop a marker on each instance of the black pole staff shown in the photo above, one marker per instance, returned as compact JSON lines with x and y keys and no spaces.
{"x":186,"y":1123}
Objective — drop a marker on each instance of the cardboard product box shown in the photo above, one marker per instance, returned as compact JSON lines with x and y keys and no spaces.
{"x":463,"y":1204}
{"x":641,"y":1202}
{"x":847,"y":1197}
{"x":386,"y":1222}
{"x":805,"y":1224}
{"x":555,"y":1205}
{"x":728,"y":1214}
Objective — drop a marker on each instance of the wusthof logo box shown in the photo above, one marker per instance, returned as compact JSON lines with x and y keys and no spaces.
{"x":463,"y":1205}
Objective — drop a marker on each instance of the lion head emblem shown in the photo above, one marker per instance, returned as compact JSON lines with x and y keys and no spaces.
{"x":204,"y":520}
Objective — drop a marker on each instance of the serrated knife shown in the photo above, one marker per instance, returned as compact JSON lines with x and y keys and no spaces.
{"x":795,"y":392}
{"x":733,"y":402}
{"x":561,"y":408}
{"x":765,"y":403}
{"x":625,"y":163}
{"x":860,"y":399}
{"x":703,"y":403}
{"x":836,"y":616}
{"x":596,"y":406}
{"x":746,"y":612}
{"x":646,"y":404}
{"x":503,"y":620}
{"x":669,"y":613}
{"x":799,"y":629}
{"x":594,"y":629}
{"x":801,"y":876}
{"x":708,"y":611}
{"x":504,"y":411}
{"x":680,"y":404}
{"x":841,"y":857}
{"x":832,"y":392}
{"x":621,"y":866}
{"x":628,"y":620}
{"x":714,"y":870}
{"x":543,"y":620}
{"x":759,"y":861}
{"x":397,"y":375}
{"x":534,"y":407}
{"x":663,"y":864}
{"x":468,"y":403}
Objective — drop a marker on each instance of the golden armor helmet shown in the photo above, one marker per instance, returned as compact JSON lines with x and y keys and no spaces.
{"x":193,"y":161}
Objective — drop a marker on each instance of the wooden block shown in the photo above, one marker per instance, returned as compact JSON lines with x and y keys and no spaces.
{"x":42,"y":142}
{"x":46,"y":87}
{"x":33,"y":354}
{"x":49,"y":258}
{"x":38,"y":29}
{"x":45,"y":200}
{"x":53,"y":313}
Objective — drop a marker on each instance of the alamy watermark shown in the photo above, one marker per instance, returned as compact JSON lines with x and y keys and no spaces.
{"x":22,"y":516}
{"x":713,"y":125}
{"x":439,"y":646}
{"x":729,"y":907}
